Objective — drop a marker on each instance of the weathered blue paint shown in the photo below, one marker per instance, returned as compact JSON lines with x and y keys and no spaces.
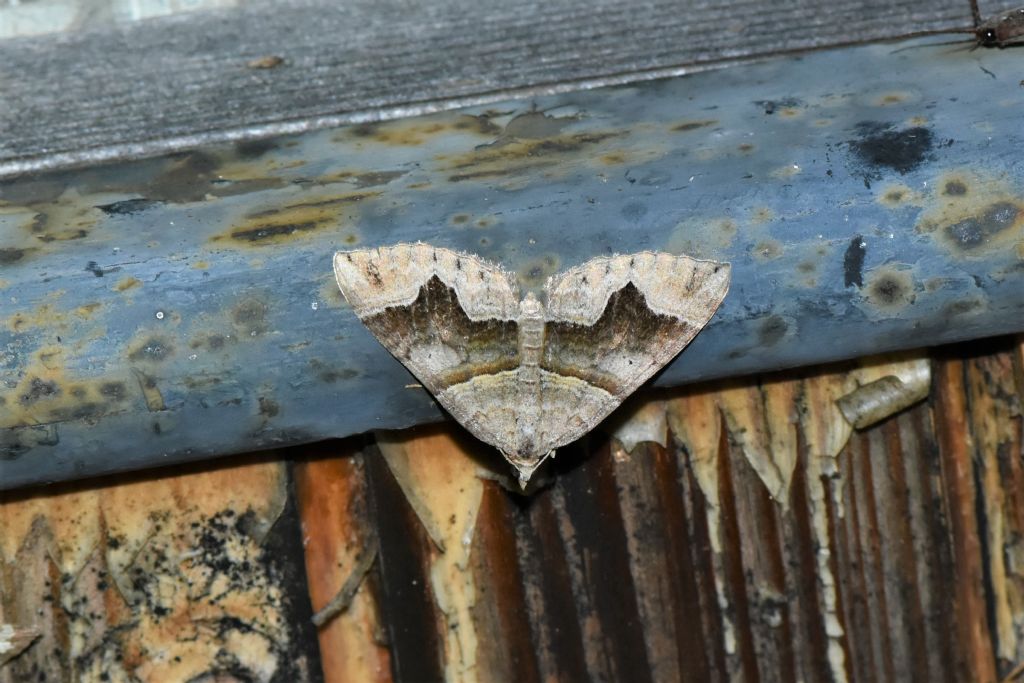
{"x":182,"y":308}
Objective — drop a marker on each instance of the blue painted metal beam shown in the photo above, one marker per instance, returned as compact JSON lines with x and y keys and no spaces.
{"x":181,"y":308}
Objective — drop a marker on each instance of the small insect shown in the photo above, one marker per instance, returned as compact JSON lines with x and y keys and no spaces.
{"x":1005,"y":29}
{"x":1002,"y":30}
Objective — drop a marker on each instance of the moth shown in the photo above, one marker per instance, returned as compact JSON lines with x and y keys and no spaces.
{"x":526,"y":374}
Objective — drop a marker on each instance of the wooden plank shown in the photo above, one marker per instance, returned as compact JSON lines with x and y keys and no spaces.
{"x":175,"y":82}
{"x":331,"y":492}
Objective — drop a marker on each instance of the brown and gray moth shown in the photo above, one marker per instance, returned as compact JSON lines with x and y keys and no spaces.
{"x":523,"y":374}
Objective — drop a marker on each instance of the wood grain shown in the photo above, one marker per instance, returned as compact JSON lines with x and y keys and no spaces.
{"x":178,"y":81}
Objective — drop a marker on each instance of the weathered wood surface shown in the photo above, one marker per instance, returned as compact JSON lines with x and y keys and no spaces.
{"x":765,"y":540}
{"x":172,"y":83}
{"x":184,"y":307}
{"x":191,"y":576}
{"x":749,"y":534}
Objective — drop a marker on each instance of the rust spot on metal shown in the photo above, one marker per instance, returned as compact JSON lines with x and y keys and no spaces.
{"x":153,"y":349}
{"x":460,"y":219}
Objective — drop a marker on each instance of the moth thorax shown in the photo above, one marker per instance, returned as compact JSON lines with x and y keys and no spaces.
{"x":531,"y":331}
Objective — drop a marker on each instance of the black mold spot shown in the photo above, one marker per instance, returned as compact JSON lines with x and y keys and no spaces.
{"x":263,"y":232}
{"x":771,"y":106}
{"x":251,"y":149}
{"x":115,"y":391}
{"x":962,"y":307}
{"x":330,"y":375}
{"x":481,"y":124}
{"x":251,"y":317}
{"x":879,"y":146}
{"x":17,"y":441}
{"x":129,"y":206}
{"x":973,"y":232}
{"x":692,"y":125}
{"x":94,"y":268}
{"x":889,"y":290}
{"x":187,"y":179}
{"x":364,"y":130}
{"x":634,"y":211}
{"x":853,"y":263}
{"x":89,"y":412}
{"x":954,"y":188}
{"x":772,"y":330}
{"x":268,"y":407}
{"x":153,"y":350}
{"x":39,"y":389}
{"x":10,"y":255}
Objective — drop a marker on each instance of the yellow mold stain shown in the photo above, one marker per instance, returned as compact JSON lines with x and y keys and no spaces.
{"x":124,"y":284}
{"x":517,"y":156}
{"x":45,"y":394}
{"x":973,"y":216}
{"x":296,"y":221}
